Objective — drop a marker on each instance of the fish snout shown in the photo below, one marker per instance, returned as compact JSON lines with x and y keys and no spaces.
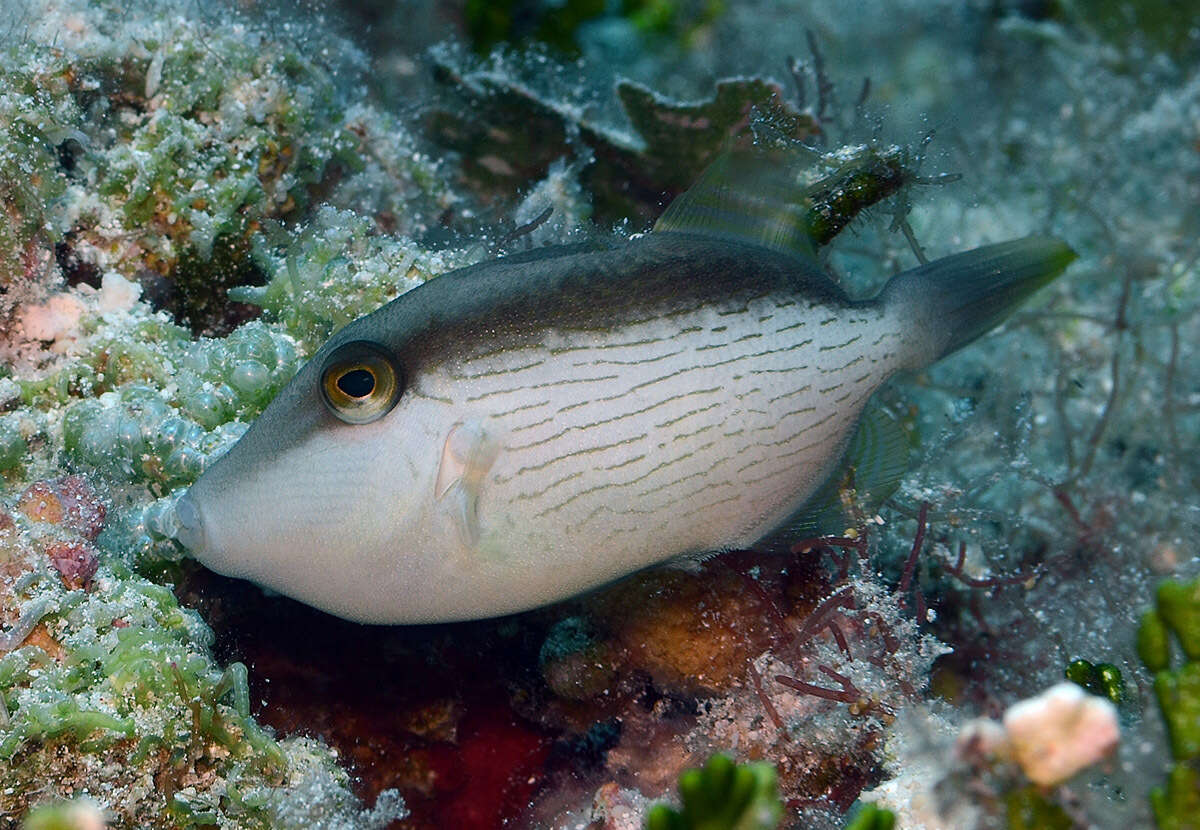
{"x":189,"y":524}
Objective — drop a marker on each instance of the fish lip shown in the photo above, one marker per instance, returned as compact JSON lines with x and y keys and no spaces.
{"x":189,"y":530}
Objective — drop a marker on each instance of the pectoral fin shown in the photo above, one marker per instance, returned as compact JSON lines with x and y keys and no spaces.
{"x":467,"y":455}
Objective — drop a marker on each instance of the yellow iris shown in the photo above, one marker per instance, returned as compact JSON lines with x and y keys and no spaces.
{"x":361,"y":382}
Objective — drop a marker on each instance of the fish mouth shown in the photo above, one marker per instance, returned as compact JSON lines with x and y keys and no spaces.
{"x":189,"y":524}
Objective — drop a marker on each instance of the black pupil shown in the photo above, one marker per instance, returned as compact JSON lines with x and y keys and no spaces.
{"x":357,"y":383}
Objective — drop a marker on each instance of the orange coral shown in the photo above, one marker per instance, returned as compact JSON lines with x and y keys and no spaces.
{"x":40,"y":503}
{"x":690,"y":634}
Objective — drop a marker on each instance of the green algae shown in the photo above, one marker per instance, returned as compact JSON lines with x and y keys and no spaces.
{"x":132,"y":671}
{"x":490,"y":23}
{"x":1177,"y":805}
{"x":1152,"y":23}
{"x":131,"y":694}
{"x":1154,"y":642}
{"x":164,"y":144}
{"x":1177,"y":689}
{"x":870,"y":817}
{"x":13,"y":446}
{"x":722,"y":795}
{"x":1178,"y":693}
{"x":559,"y":24}
{"x":1028,"y":808}
{"x":165,"y":402}
{"x":1102,"y":679}
{"x":1178,"y":604}
{"x":1176,"y":615}
{"x":204,"y":157}
{"x":333,"y":270}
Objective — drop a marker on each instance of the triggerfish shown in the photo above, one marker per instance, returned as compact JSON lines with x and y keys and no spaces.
{"x":522,"y":430}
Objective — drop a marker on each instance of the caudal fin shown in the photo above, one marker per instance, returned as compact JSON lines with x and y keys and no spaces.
{"x":950,"y":302}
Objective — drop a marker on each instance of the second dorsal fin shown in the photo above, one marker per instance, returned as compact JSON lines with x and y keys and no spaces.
{"x":750,"y":196}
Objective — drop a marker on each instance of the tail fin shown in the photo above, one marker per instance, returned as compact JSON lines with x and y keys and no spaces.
{"x":950,"y":302}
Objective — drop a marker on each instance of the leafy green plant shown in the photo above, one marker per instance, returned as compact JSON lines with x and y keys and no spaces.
{"x":870,"y":817}
{"x":722,"y":795}
{"x":1176,"y":615}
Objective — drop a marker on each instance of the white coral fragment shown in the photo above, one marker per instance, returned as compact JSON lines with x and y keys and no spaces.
{"x":117,"y":294}
{"x":53,"y":321}
{"x":1059,"y":732}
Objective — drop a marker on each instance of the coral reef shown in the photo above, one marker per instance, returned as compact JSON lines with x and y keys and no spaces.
{"x":165,"y":170}
{"x":110,"y":688}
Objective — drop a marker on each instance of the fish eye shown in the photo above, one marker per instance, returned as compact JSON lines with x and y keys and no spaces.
{"x":361,"y":382}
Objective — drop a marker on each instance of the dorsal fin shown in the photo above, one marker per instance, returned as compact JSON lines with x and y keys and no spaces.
{"x":750,"y":196}
{"x":874,"y":464}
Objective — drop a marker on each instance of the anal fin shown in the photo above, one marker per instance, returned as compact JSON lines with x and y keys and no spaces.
{"x":872,"y":468}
